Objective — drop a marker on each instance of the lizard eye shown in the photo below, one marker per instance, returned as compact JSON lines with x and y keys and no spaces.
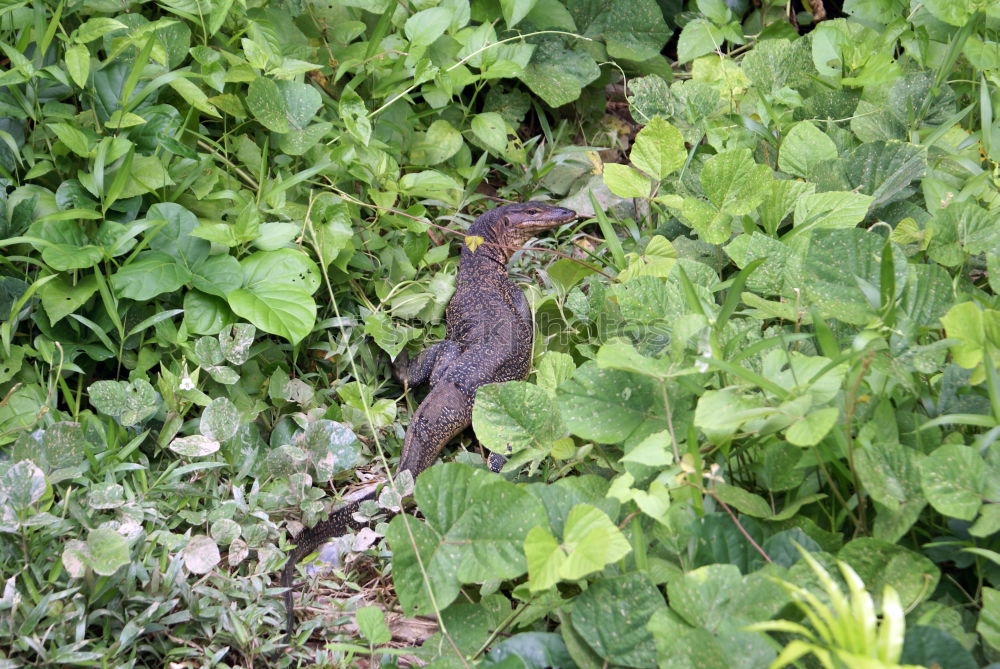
{"x":532,"y":212}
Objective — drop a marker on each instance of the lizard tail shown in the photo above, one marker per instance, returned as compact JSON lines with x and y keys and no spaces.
{"x":445,"y":412}
{"x":308,"y":540}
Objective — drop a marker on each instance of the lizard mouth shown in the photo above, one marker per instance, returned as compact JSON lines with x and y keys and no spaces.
{"x":552,"y":218}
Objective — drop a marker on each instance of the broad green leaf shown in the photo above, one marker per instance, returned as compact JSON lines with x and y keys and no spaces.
{"x":989,"y":618}
{"x":108,"y":550}
{"x":194,"y":96}
{"x":658,"y":149}
{"x":431,"y":183}
{"x":371,"y":623}
{"x":78,"y":64}
{"x":804,"y":147}
{"x":334,"y":446}
{"x":515,"y":10}
{"x":282,"y":106}
{"x":389,"y":336}
{"x":890,"y":474}
{"x":491,"y":130}
{"x":61,"y":298}
{"x":97,"y":27}
{"x":152,"y":273}
{"x":834,"y":266}
{"x":625,"y":181}
{"x":885,"y":169}
{"x":220,"y":419}
{"x":591,"y":542}
{"x":609,"y":406}
{"x":21,"y":484}
{"x":621,"y":354}
{"x":880,"y":563}
{"x":439,"y":143}
{"x":461,"y":542}
{"x":283,"y":309}
{"x":953,"y":478}
{"x":554,"y":368}
{"x":680,"y":646}
{"x":743,"y":501}
{"x":811,"y":428}
{"x":720,"y":413}
{"x":201,"y":554}
{"x":354,"y":114}
{"x":545,"y":559}
{"x":631,"y":29}
{"x":194,"y":446}
{"x":128,"y":403}
{"x":734,"y":183}
{"x":424,"y":27}
{"x":698,"y":37}
{"x":513,"y":416}
{"x":558,"y":72}
{"x":964,"y":322}
{"x":612,"y":615}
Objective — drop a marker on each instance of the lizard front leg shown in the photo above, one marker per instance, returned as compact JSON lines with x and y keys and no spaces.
{"x":429,"y":365}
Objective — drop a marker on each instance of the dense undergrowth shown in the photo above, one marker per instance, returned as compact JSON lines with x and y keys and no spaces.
{"x":761,"y":426}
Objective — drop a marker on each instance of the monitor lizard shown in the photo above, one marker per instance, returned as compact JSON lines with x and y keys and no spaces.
{"x":489,"y":339}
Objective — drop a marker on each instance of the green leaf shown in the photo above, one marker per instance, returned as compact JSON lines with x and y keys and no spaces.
{"x":554,"y":368}
{"x":75,"y":139}
{"x":743,"y":501}
{"x":624,"y":181}
{"x":964,"y":322}
{"x":880,"y":563}
{"x":513,"y":416}
{"x":804,"y":147}
{"x":609,"y":406}
{"x":734,"y":183}
{"x":885,"y":169}
{"x":720,"y":413}
{"x":461,"y":542}
{"x":834,"y":266}
{"x":108,"y":550}
{"x":60,"y":298}
{"x":545,"y":559}
{"x":194,"y":96}
{"x":128,"y":403}
{"x":515,"y":10}
{"x":491,"y":130}
{"x":439,"y":143}
{"x":698,"y":37}
{"x":953,"y":478}
{"x":431,"y":183}
{"x":631,"y":29}
{"x":557,"y":74}
{"x":152,"y":273}
{"x":371,"y":623}
{"x":989,"y":618}
{"x":282,"y":106}
{"x":424,"y":27}
{"x":354,"y":114}
{"x":612,"y":615}
{"x":658,"y":149}
{"x":282,"y":309}
{"x":591,"y":542}
{"x":811,"y":428}
{"x":78,"y":64}
{"x":220,"y":419}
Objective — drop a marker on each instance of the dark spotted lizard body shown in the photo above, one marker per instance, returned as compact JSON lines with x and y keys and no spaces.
{"x":489,"y":339}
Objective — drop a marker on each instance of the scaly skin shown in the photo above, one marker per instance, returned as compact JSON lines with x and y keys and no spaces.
{"x":489,"y":340}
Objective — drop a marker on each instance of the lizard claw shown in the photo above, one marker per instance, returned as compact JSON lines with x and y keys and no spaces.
{"x":400,"y":367}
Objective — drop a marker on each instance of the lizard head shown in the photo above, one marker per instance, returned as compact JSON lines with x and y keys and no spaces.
{"x":517,"y":223}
